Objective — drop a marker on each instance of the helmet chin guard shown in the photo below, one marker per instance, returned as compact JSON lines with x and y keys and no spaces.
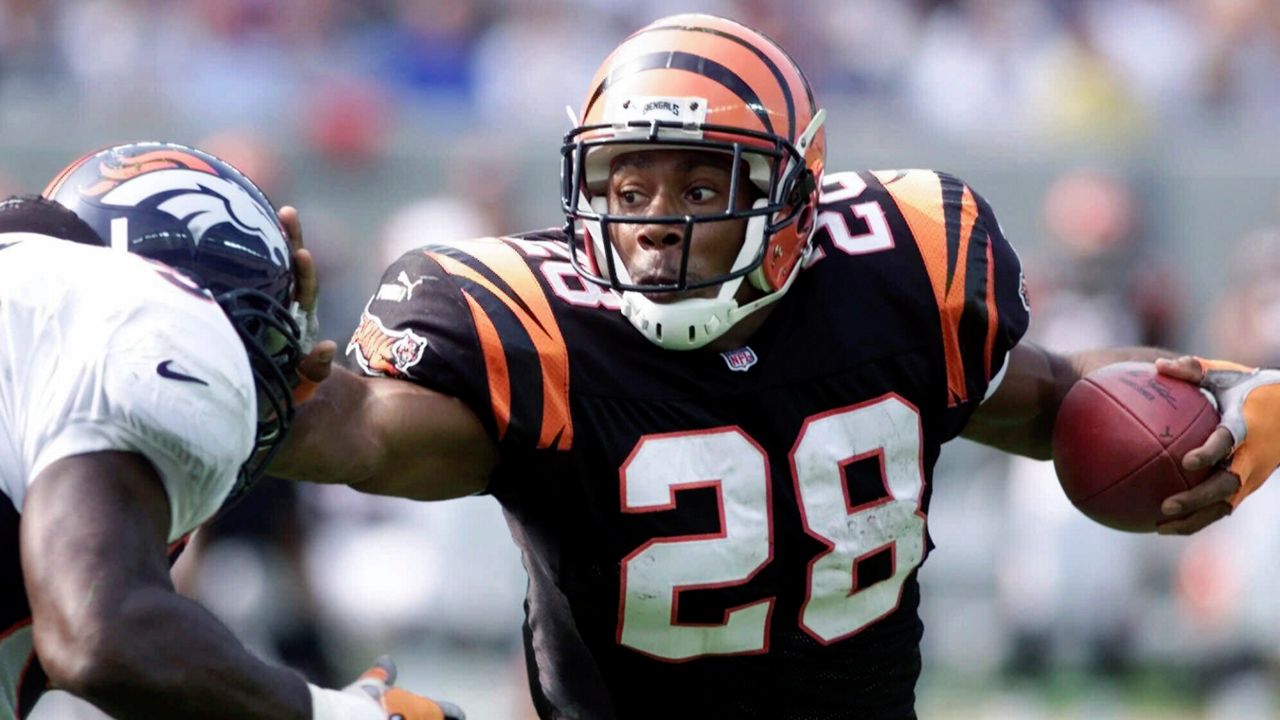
{"x":692,"y":323}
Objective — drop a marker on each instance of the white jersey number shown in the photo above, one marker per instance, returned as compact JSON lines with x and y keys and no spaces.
{"x":845,"y":187}
{"x":887,"y":429}
{"x":653,"y":575}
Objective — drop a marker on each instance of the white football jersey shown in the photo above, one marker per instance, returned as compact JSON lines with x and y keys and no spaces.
{"x":102,"y":350}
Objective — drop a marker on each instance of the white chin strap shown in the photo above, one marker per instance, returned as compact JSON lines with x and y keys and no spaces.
{"x":694,"y":322}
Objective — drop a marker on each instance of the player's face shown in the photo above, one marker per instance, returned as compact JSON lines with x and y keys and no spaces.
{"x":654,"y":183}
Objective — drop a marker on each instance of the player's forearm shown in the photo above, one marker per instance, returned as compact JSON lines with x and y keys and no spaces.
{"x":1019,"y":417}
{"x":390,"y":437}
{"x":163,"y":656}
{"x":1068,"y":370}
{"x":1085,"y":362}
{"x":330,"y":439}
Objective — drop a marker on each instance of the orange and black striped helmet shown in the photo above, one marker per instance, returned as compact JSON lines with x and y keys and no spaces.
{"x":704,"y":83}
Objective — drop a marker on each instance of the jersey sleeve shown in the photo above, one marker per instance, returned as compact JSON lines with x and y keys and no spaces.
{"x":472,"y":320}
{"x":976,"y":278}
{"x":171,"y":383}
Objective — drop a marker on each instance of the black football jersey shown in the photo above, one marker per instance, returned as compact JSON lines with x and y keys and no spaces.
{"x":721,"y":534}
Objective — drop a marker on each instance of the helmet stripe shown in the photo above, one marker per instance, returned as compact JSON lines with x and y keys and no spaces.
{"x":764,"y":58}
{"x":695,"y":64}
{"x":56,"y":184}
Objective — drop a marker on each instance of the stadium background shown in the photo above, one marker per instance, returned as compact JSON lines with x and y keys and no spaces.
{"x":1130,"y":148}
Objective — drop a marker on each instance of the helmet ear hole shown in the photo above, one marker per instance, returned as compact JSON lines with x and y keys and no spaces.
{"x":803,"y":188}
{"x":804,"y":221}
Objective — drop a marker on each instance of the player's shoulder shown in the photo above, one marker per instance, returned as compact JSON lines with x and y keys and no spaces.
{"x":122,"y":314}
{"x":481,"y":320}
{"x":934,"y":246}
{"x":923,"y":191}
{"x":504,"y":260}
{"x":154,"y":304}
{"x":528,"y":273}
{"x":495,"y":290}
{"x":161,"y":339}
{"x":97,"y":291}
{"x":123,"y":311}
{"x":496,"y":255}
{"x":147,"y":362}
{"x":932,"y":211}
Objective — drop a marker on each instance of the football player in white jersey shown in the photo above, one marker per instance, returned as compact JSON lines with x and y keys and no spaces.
{"x":136,"y":399}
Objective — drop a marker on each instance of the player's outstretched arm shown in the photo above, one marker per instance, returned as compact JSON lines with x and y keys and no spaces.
{"x":377,"y":435}
{"x":109,"y":627}
{"x":388,"y":437}
{"x":1019,"y":415}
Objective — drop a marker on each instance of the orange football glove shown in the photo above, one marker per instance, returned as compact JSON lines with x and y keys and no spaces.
{"x":400,"y":704}
{"x":1249,"y":403}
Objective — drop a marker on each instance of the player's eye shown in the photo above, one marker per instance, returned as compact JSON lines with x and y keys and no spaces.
{"x":702,"y":194}
{"x":629,"y":197}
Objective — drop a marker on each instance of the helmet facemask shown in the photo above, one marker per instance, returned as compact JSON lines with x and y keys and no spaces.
{"x":271,"y":341}
{"x":776,"y":168}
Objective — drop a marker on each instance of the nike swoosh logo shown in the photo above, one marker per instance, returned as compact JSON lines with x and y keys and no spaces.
{"x":166,"y":371}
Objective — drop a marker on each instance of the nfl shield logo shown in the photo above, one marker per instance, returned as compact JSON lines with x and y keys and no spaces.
{"x":739,"y":360}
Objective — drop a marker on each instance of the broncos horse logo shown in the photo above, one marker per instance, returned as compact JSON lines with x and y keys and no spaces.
{"x":178,"y":182}
{"x":201,"y":200}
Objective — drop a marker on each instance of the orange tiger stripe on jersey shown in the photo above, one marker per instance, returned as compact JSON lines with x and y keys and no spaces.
{"x":495,"y":362}
{"x":538,"y":320}
{"x":993,"y":312}
{"x":918,"y":194}
{"x":956,"y":298}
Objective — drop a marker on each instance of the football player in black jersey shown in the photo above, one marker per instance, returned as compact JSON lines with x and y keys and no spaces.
{"x":712,"y":404}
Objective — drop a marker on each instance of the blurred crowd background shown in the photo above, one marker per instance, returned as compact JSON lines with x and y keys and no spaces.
{"x":1131,"y":149}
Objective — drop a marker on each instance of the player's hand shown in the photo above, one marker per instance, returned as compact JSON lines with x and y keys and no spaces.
{"x":318,"y":360}
{"x":399,"y":704}
{"x":1248,"y":436}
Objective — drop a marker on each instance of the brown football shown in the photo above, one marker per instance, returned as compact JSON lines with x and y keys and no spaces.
{"x":1119,"y":439}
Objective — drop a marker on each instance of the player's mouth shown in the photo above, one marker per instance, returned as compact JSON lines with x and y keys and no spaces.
{"x":657,"y":278}
{"x":671,"y":279}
